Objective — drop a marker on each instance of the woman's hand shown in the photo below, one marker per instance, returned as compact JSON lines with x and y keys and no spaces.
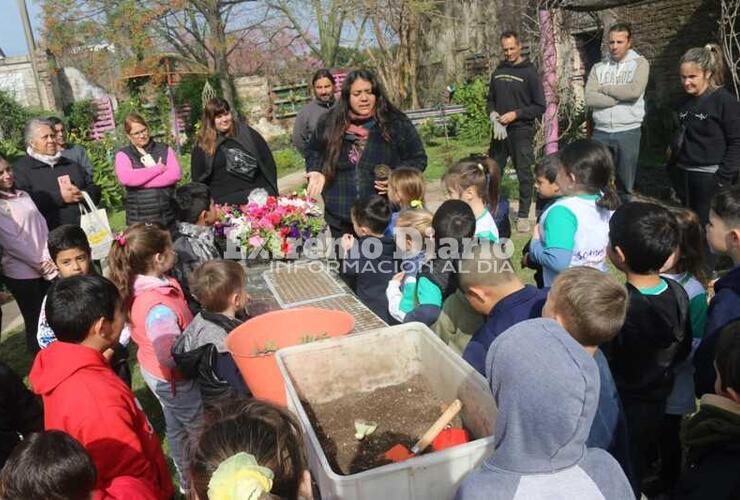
{"x":316,"y":181}
{"x":381,"y":187}
{"x":48,"y":269}
{"x":71,"y":194}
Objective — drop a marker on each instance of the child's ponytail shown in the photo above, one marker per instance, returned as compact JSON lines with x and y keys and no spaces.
{"x":481,"y":172}
{"x":131,"y":254}
{"x":609,"y":198}
{"x":592,"y":166}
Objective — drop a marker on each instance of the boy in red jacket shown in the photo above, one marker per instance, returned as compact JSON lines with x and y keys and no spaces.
{"x":81,"y":394}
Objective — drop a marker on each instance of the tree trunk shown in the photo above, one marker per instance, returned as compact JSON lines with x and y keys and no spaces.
{"x":549,"y":80}
{"x":217,"y":30}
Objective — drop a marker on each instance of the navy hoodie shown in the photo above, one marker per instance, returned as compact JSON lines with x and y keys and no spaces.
{"x":723,"y":309}
{"x":372,"y":260}
{"x":521,"y":305}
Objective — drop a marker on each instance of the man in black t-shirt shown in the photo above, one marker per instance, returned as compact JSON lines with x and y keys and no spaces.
{"x":515,"y":100}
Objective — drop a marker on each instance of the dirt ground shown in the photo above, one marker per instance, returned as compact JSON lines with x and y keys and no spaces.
{"x":402,"y":412}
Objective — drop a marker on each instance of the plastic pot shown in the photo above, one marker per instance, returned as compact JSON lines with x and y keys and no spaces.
{"x":254,"y":343}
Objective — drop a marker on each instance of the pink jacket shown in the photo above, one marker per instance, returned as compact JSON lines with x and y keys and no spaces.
{"x":23,"y":237}
{"x":149,"y":177}
{"x":159,"y":314}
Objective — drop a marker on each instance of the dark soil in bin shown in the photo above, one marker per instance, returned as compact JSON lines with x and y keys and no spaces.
{"x":403,"y":412}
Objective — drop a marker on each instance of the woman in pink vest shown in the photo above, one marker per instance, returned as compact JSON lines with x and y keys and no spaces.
{"x":26,"y":264}
{"x":158,"y":313}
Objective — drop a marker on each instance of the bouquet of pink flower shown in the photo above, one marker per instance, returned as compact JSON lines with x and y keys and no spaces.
{"x":270,"y":224}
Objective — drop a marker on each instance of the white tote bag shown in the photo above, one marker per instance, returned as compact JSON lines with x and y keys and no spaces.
{"x":94,"y":221}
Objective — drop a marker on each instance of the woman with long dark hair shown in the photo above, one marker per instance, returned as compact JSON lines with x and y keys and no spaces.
{"x":362,"y":131}
{"x":149,"y":170}
{"x":231,"y":157}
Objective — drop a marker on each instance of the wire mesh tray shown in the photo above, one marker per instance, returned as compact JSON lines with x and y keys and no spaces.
{"x":301,"y":284}
{"x":365,"y":319}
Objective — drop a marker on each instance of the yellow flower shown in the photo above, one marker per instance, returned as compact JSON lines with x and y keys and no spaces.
{"x":240,"y":477}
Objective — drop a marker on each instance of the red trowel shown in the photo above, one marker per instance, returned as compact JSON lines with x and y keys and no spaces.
{"x":399,"y":452}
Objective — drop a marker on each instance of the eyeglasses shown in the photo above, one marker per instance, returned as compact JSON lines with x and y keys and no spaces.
{"x":139,"y":133}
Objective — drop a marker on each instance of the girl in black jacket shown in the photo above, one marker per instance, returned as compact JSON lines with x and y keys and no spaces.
{"x":231,"y":158}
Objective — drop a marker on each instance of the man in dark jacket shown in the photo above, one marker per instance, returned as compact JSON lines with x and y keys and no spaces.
{"x":21,"y":412}
{"x":54,"y":182}
{"x":515,"y":100}
{"x":73,"y":152}
{"x":308,"y":118}
{"x":712,"y":436}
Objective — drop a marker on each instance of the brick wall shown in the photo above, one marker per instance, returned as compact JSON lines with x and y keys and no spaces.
{"x":663,"y":31}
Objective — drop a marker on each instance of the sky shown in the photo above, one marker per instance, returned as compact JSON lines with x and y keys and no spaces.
{"x":12,"y":40}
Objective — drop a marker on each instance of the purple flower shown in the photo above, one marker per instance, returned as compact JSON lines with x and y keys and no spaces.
{"x":294,"y":232}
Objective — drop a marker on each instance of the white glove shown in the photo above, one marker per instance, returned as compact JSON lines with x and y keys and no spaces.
{"x":394,"y":295}
{"x":499,"y":131}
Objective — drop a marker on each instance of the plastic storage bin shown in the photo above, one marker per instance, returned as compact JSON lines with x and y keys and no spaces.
{"x":330,"y":369}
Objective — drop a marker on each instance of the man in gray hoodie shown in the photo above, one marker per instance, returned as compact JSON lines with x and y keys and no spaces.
{"x":615,"y":92}
{"x":323,"y":87}
{"x":546,"y":388}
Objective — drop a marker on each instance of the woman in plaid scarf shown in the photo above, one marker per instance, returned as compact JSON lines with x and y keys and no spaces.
{"x":363,"y":130}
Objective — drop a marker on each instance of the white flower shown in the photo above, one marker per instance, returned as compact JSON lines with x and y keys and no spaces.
{"x":258,"y":197}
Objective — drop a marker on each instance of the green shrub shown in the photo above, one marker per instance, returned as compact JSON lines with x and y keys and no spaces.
{"x":474,"y":125}
{"x":13,"y":119}
{"x":288,"y":160}
{"x":80,"y":116}
{"x":104,"y":175}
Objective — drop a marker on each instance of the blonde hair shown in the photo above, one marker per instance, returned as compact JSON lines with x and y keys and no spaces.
{"x":408,"y":185}
{"x":416,"y":218}
{"x":592,"y":304}
{"x":215,"y":281}
{"x":710,"y":60}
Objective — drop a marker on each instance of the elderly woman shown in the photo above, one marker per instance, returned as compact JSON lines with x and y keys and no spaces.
{"x":54,"y":182}
{"x":26,"y":263}
{"x":231,"y":158}
{"x":150,"y":171}
{"x":362,"y":131}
